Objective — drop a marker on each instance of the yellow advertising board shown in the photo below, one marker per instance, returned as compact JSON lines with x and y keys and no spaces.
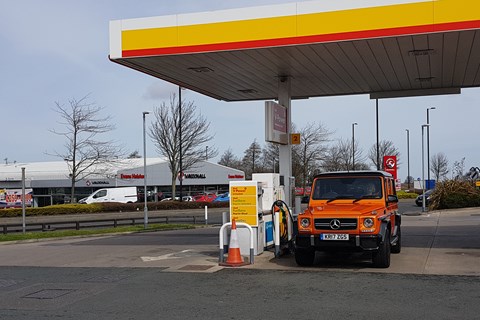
{"x":244,"y":202}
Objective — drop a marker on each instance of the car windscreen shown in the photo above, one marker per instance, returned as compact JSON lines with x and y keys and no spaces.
{"x":330,"y":188}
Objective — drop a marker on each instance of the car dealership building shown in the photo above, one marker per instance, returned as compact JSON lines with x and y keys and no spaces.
{"x":51,"y":184}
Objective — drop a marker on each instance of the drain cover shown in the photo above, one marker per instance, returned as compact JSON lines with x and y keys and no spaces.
{"x":49,"y":293}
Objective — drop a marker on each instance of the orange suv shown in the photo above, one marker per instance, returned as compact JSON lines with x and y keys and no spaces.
{"x":350,"y":211}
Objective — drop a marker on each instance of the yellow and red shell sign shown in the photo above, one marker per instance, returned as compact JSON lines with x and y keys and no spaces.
{"x":244,"y":202}
{"x":289,"y":24}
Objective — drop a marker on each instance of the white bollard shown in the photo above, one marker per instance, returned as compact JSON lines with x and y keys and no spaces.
{"x":206,"y":215}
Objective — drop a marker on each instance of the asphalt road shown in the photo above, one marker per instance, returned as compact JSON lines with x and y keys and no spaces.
{"x":139,"y":293}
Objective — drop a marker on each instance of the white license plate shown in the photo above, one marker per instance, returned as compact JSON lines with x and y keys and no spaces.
{"x":334,"y":236}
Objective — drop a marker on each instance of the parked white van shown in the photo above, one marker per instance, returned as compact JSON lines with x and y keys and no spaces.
{"x":123,"y":195}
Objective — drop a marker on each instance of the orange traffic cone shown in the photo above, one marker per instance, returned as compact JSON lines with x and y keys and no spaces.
{"x":234,"y":258}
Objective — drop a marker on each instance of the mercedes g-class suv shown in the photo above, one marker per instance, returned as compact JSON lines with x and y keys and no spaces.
{"x":354,"y":211}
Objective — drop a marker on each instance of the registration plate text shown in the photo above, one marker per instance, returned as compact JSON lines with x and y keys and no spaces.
{"x":334,"y":236}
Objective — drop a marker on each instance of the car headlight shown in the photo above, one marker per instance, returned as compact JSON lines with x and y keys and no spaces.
{"x":368,"y":223}
{"x":305,"y":222}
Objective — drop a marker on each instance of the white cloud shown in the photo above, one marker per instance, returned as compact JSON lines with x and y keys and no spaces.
{"x":159,"y":91}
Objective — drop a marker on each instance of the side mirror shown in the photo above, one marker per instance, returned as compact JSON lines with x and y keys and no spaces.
{"x":392,"y":198}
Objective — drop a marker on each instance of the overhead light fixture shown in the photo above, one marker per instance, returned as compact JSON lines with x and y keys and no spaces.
{"x":247,"y":91}
{"x":421,"y":52}
{"x":201,"y":69}
{"x":414,"y":93}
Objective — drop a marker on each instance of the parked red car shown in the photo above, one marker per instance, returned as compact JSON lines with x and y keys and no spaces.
{"x":209,"y":197}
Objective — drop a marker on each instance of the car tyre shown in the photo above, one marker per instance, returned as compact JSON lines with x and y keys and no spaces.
{"x":397,"y":247}
{"x":381,"y":258}
{"x":304,"y":257}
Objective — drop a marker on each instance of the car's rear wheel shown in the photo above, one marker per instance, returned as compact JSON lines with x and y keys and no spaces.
{"x":381,"y":258}
{"x":304,"y":257}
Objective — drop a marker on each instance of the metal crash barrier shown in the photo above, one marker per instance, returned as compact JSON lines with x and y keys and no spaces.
{"x":222,"y":244}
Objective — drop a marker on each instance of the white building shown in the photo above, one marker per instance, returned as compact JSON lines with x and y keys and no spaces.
{"x":51,"y":183}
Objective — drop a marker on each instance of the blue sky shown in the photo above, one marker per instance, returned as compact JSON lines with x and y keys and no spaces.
{"x":52,"y":51}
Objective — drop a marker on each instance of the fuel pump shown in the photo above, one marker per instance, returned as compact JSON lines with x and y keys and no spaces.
{"x":283,"y":227}
{"x":277,"y":215}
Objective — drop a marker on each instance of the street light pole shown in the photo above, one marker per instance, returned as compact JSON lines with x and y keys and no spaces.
{"x":408,"y":158}
{"x":423,"y":167}
{"x":353,"y":145}
{"x":428,"y":144}
{"x":378,"y":136}
{"x":180,"y":134}
{"x":206,"y":153}
{"x":145,"y":207}
{"x":23,"y":200}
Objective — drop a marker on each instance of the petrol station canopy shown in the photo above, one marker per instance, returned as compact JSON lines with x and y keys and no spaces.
{"x":385,"y":48}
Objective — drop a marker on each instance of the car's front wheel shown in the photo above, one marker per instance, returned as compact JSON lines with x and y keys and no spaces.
{"x":304,"y":257}
{"x":381,"y":258}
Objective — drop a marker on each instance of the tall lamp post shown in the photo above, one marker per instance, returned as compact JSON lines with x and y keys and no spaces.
{"x":145,"y":207}
{"x":408,"y":158}
{"x":180,"y":134}
{"x":428,"y":144}
{"x":353,"y":145}
{"x":378,"y":136}
{"x":423,"y":166}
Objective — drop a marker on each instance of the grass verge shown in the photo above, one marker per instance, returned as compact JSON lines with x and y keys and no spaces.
{"x":86,"y":232}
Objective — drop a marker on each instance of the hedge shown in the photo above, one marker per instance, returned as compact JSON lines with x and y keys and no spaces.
{"x":406,"y":195}
{"x":62,"y":209}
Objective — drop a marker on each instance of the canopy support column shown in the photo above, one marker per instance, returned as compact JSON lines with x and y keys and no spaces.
{"x":285,"y":151}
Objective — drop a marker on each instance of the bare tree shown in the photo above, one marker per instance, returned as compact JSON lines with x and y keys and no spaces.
{"x":165,"y":134}
{"x":439,"y":166}
{"x":270,"y":155}
{"x":458,"y":169}
{"x":228,"y":159}
{"x":312,"y":149}
{"x":386,"y":148}
{"x":252,"y":159}
{"x":339,"y":157}
{"x":134,"y":155}
{"x":84,"y":153}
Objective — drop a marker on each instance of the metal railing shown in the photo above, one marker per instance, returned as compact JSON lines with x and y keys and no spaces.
{"x":95,"y":223}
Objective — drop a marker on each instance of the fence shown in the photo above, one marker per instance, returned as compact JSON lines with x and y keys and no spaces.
{"x":91,"y":224}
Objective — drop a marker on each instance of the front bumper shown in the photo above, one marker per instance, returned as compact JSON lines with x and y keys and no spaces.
{"x":355,"y":243}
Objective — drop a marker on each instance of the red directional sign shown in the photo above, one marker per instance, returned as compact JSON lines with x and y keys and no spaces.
{"x":390,"y":165}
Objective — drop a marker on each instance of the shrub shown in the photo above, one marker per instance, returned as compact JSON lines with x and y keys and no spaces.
{"x":453,"y":194}
{"x":406,"y":195}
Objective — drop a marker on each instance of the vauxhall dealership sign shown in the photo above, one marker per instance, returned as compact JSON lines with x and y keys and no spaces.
{"x":390,"y":165}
